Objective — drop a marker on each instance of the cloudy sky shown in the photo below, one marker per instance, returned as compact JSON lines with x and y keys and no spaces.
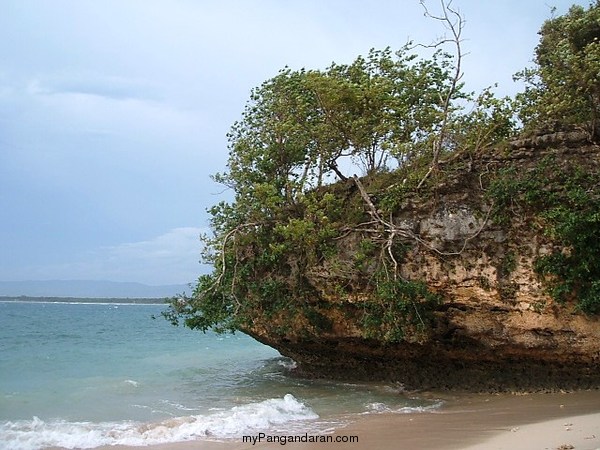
{"x":113,"y":113}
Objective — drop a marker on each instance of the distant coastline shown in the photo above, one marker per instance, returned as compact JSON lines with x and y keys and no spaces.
{"x":89,"y":289}
{"x":97,"y":300}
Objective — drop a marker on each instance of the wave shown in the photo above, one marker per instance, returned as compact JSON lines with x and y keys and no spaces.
{"x":287,"y":363}
{"x":75,"y":302}
{"x":246,"y":419}
{"x":379,"y":408}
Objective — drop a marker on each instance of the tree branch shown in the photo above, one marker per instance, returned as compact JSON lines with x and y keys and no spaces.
{"x":390,"y":231}
{"x":455,"y":26}
{"x":230,"y":235}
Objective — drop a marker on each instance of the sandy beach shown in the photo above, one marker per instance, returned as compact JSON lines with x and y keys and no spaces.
{"x":466,"y":421}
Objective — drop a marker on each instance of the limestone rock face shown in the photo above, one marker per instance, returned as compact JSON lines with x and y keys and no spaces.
{"x":496,"y":327}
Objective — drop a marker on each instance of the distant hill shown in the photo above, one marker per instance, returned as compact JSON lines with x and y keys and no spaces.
{"x":88,"y":289}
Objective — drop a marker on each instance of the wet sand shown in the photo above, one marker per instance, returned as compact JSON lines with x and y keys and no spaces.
{"x":466,"y":421}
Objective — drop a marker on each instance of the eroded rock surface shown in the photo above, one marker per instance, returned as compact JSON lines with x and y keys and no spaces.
{"x":496,"y":327}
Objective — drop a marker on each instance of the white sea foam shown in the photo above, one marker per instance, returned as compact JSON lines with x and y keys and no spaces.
{"x":73,"y":302}
{"x":378,"y":407}
{"x":36,"y":434}
{"x":287,"y":364}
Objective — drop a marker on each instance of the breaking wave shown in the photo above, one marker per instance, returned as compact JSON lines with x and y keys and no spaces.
{"x":36,"y":433}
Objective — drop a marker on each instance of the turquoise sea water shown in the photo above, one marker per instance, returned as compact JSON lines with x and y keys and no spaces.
{"x":82,"y":375}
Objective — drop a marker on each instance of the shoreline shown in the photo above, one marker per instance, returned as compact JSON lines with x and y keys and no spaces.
{"x":465,"y":422}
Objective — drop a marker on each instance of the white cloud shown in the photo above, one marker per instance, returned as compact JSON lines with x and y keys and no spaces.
{"x":125,"y":108}
{"x":170,"y":258}
{"x":91,"y":83}
{"x":169,"y":246}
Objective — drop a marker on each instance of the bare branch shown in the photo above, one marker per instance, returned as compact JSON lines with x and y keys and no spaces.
{"x":367,"y":199}
{"x":454,"y":22}
{"x":230,"y":235}
{"x":391,"y":231}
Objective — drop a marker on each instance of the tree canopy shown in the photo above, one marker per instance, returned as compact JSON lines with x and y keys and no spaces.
{"x":303,"y":131}
{"x":300,"y":126}
{"x":564,"y":85}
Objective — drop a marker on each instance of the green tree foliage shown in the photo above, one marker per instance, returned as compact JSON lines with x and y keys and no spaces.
{"x":489,"y":121}
{"x":382,"y":106}
{"x":296,"y":130}
{"x":564,"y":86}
{"x":566,"y":203}
{"x":300,"y":133}
{"x":294,"y":133}
{"x":303,"y":134}
{"x":298,"y":126}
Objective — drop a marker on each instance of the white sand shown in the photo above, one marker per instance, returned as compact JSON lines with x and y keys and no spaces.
{"x":577,"y":432}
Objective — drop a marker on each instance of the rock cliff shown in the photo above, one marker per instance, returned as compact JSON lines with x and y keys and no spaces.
{"x":494,"y":324}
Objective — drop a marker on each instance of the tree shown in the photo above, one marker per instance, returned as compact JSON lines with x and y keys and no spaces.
{"x":381,"y":106}
{"x":298,"y":126}
{"x":294,"y":133}
{"x":564,"y":86}
{"x":270,"y":148}
{"x":454,"y":23}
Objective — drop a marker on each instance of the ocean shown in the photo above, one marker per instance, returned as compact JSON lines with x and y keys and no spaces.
{"x":82,"y":375}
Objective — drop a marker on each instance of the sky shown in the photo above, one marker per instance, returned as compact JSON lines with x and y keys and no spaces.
{"x":114,"y":113}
